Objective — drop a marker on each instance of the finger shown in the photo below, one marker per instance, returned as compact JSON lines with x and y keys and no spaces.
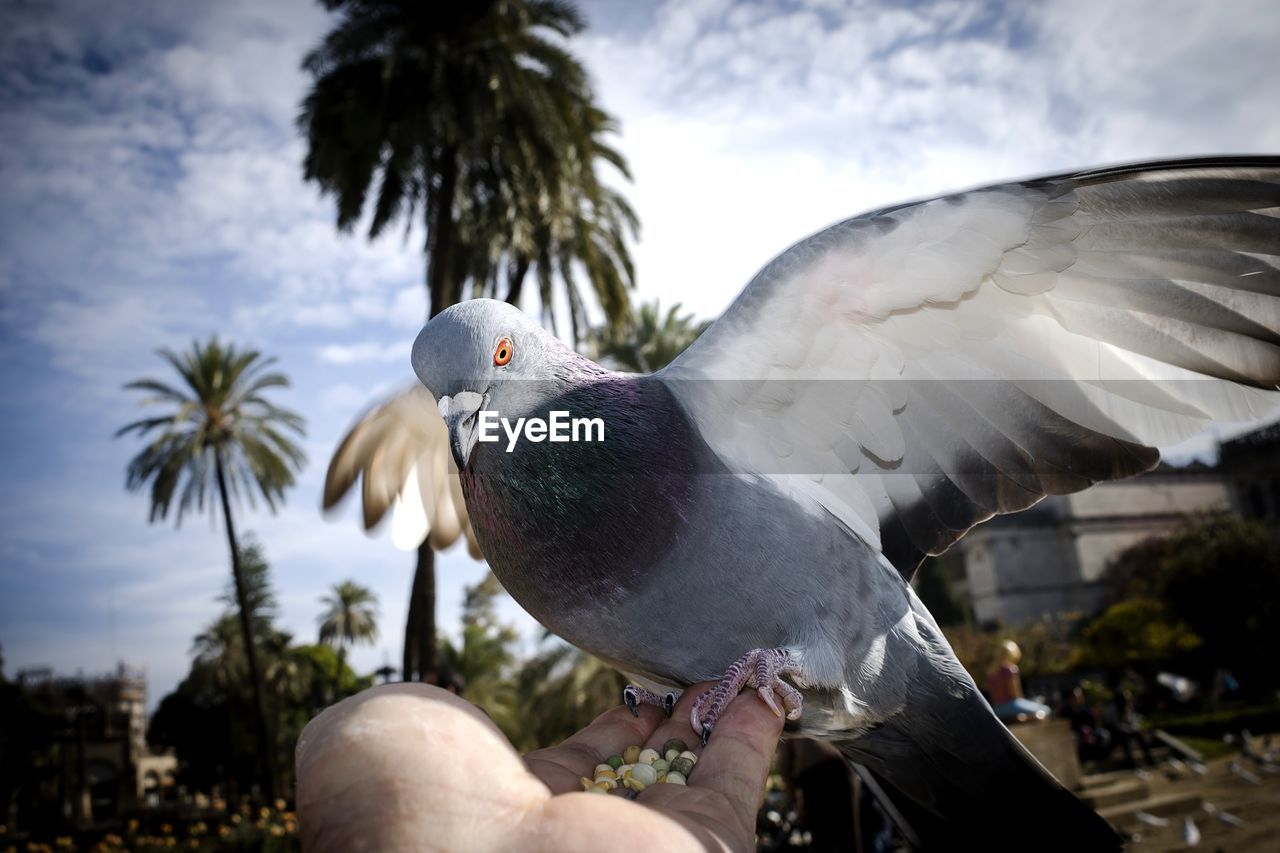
{"x":735,"y":763}
{"x":562,"y":767}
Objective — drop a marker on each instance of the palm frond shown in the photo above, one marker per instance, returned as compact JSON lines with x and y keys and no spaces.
{"x":225,"y":414}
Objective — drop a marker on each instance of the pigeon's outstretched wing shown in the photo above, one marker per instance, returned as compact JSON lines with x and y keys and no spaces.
{"x":401,"y":447}
{"x":920,"y":368}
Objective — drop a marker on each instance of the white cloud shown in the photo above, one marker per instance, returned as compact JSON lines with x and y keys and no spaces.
{"x":749,"y":128}
{"x":366,"y":351}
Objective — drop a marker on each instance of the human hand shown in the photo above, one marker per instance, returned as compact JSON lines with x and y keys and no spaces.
{"x":412,"y":767}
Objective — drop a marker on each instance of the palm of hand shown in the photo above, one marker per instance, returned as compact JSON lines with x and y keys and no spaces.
{"x":408,"y":766}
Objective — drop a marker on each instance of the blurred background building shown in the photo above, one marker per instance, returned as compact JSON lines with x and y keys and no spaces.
{"x":101,"y":721}
{"x":1053,"y":557}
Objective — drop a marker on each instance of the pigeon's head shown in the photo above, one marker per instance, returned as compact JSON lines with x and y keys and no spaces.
{"x":468,"y":356}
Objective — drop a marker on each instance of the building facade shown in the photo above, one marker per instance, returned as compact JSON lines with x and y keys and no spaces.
{"x":109,"y":768}
{"x":1052,"y":558}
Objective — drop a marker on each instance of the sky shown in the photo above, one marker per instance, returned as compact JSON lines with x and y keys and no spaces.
{"x":152,"y":194}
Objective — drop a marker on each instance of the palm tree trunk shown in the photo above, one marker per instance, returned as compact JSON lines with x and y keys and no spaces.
{"x":267,"y":744}
{"x":442,"y":291}
{"x":516,"y":277}
{"x":420,"y":630}
{"x":409,"y":659}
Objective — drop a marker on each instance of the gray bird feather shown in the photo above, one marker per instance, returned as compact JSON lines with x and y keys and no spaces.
{"x":872,"y":394}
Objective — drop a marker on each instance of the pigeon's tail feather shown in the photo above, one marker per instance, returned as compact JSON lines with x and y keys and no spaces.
{"x":955,"y":774}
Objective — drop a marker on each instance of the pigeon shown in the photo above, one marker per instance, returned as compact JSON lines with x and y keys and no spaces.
{"x":1241,"y":772}
{"x":1226,"y":817}
{"x":1190,"y":832}
{"x":755,"y":511}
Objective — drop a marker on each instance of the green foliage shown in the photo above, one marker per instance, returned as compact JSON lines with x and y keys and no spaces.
{"x":220,"y":413}
{"x":538,"y":701}
{"x":1047,"y":646}
{"x":1259,"y":717}
{"x":650,"y":342}
{"x":256,"y":576}
{"x":560,"y":690}
{"x":204,"y":719}
{"x":1135,"y":631}
{"x":1220,"y":577}
{"x":485,"y":657}
{"x":30,"y":758}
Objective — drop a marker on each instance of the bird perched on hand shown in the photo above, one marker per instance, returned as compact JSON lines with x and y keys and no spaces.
{"x":761,"y":504}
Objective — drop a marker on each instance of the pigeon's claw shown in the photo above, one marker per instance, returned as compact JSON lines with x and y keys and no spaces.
{"x":759,"y":668}
{"x":635,"y":696}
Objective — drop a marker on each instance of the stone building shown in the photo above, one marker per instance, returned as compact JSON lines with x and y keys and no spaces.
{"x":1051,"y":558}
{"x":109,"y":768}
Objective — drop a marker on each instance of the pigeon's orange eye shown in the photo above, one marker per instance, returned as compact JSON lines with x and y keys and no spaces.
{"x":502,"y":353}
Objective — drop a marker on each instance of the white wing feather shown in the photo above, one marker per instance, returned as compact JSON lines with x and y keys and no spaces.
{"x":919,"y":369}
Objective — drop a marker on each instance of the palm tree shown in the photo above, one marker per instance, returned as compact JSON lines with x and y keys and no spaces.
{"x":351,"y":617}
{"x":653,"y":340}
{"x":485,"y":657}
{"x":255,"y":575}
{"x":473,"y":116}
{"x":220,"y":424}
{"x":568,"y":687}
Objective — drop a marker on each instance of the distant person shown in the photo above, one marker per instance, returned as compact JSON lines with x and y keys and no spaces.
{"x":1122,"y":720}
{"x":1224,"y":686}
{"x":1091,"y":740}
{"x":1004,"y":689}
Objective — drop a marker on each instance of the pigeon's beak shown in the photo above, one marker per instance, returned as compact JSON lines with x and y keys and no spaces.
{"x":460,"y":414}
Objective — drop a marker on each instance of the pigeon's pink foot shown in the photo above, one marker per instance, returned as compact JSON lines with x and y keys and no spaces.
{"x":758,"y":668}
{"x":635,"y":696}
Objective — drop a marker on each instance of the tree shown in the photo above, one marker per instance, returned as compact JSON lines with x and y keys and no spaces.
{"x":221,"y":424}
{"x":475,"y":117}
{"x":1141,"y":630}
{"x":200,"y":718}
{"x":568,"y":687}
{"x":484,"y":659}
{"x":351,"y":617}
{"x":652,"y":342}
{"x":1219,"y":576}
{"x":258,"y":594}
